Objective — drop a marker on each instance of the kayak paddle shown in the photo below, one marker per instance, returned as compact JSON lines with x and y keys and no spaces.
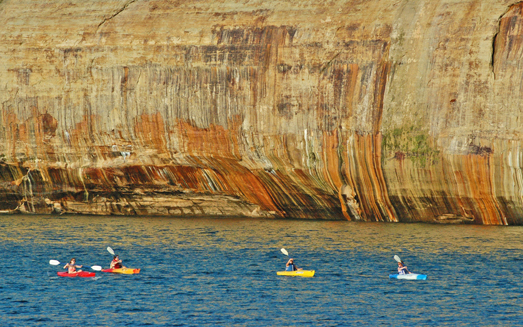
{"x":110,"y":250}
{"x":56,"y":263}
{"x":287,"y":253}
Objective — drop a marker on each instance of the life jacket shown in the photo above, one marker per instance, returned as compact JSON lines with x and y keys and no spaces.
{"x":117,"y":265}
{"x":290,"y":267}
{"x":71,"y":269}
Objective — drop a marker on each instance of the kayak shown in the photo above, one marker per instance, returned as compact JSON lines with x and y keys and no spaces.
{"x":126,"y":271}
{"x":300,"y":273}
{"x":409,"y":276}
{"x":77,"y":274}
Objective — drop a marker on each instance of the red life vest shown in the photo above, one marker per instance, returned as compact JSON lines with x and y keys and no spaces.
{"x":116,"y":265}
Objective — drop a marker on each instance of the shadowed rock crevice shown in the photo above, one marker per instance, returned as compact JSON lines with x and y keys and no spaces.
{"x":106,"y":19}
{"x":503,"y":40}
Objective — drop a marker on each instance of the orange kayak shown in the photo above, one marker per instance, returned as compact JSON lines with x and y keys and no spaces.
{"x":126,"y":271}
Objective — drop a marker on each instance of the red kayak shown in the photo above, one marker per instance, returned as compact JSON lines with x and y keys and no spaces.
{"x":77,"y":274}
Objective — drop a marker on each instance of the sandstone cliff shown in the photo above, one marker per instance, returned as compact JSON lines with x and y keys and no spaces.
{"x":390,"y":110}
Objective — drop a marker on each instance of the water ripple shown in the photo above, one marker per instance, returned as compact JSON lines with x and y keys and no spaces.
{"x":222,"y":272}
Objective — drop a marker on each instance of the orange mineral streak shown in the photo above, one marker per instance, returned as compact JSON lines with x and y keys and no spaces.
{"x":225,"y":177}
{"x":365,"y":173}
{"x":333,"y":172}
{"x":311,"y":195}
{"x":150,"y":130}
{"x":244,"y":183}
{"x":214,"y":140}
{"x":83,"y":134}
{"x":33,"y":135}
{"x":476,"y":184}
{"x":332,"y":159}
{"x":13,"y":132}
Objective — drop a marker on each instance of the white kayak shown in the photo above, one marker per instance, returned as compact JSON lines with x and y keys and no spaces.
{"x":409,"y":276}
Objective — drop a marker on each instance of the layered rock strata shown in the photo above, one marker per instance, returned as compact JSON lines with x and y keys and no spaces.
{"x":389,"y":110}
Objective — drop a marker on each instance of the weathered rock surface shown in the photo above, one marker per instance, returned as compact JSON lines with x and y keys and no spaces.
{"x":361,"y":110}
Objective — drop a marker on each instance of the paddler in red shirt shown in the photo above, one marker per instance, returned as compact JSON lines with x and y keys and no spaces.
{"x":116,"y":263}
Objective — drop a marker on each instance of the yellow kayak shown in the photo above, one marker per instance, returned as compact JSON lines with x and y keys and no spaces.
{"x":300,"y":273}
{"x":127,"y":271}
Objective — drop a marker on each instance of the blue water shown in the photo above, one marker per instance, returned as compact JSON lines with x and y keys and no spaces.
{"x":223,"y":273}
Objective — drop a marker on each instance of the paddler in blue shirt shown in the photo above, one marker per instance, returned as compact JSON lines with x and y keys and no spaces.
{"x":291,"y":266}
{"x":402,"y":269}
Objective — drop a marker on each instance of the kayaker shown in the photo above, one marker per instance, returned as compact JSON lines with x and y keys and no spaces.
{"x":402,"y":269}
{"x":116,"y":263}
{"x":71,"y":266}
{"x":291,"y":266}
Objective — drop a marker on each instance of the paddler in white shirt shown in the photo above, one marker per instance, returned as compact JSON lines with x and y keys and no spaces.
{"x":402,"y":269}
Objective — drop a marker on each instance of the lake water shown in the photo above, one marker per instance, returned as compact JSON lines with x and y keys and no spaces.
{"x":222,"y":272}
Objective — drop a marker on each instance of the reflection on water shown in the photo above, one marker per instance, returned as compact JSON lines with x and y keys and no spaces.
{"x":223,"y":272}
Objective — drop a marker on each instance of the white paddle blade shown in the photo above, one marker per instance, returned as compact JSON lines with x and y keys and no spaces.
{"x":97,"y":268}
{"x":397,"y":258}
{"x":284,"y":251}
{"x":54,"y":262}
{"x":110,"y":250}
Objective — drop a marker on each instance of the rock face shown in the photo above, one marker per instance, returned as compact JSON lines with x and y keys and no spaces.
{"x":390,"y":110}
